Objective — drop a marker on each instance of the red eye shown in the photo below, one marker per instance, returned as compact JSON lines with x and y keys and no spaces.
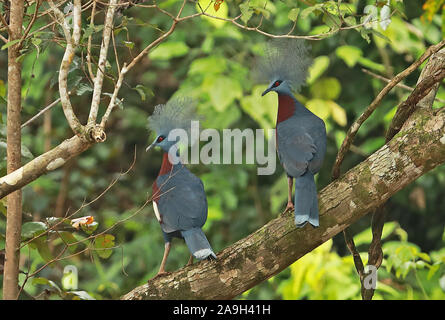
{"x":277,"y":83}
{"x":161,"y":138}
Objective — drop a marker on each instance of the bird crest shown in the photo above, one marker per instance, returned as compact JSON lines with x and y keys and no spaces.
{"x":175,"y":114}
{"x":285,"y":60}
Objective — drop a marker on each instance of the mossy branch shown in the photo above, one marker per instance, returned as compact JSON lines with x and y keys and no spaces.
{"x":416,"y":149}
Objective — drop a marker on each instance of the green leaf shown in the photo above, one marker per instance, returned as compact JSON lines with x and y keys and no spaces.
{"x":26,"y":153}
{"x":68,"y":238}
{"x":320,"y":107}
{"x":129,"y":44}
{"x":433,"y":269}
{"x":41,"y":244}
{"x":102,"y":243}
{"x":328,"y":88}
{"x":246,"y":12}
{"x":338,"y":113}
{"x":320,"y":65}
{"x":89,"y":228}
{"x":10,"y":43}
{"x":32,"y":229}
{"x":259,"y":108}
{"x":350,"y":21}
{"x":365,"y":236}
{"x":211,"y":64}
{"x":222,"y":91}
{"x":3,"y":206}
{"x":371,"y":64}
{"x":306,"y":12}
{"x":293,"y":14}
{"x":142,"y":90}
{"x":92,"y":29}
{"x":222,"y":12}
{"x":80,"y":295}
{"x":169,"y":50}
{"x":44,"y":281}
{"x":2,"y":89}
{"x":349,"y":54}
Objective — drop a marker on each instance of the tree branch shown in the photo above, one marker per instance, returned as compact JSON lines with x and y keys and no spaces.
{"x":42,"y":164}
{"x":416,"y":149}
{"x":98,"y":79}
{"x":71,"y":44}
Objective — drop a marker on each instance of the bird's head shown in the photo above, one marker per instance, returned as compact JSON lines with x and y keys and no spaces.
{"x":163,"y":142}
{"x":279,"y":86}
{"x":171,"y":122}
{"x":284,"y":65}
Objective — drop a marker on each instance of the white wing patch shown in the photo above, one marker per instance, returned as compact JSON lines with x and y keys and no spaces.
{"x":155,"y":207}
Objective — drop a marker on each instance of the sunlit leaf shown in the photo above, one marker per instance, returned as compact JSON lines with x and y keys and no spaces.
{"x":169,"y":50}
{"x":293,"y":14}
{"x":320,"y":65}
{"x":102,"y":243}
{"x":349,"y":54}
{"x":222,"y":91}
{"x":328,"y":88}
{"x":246,"y":12}
{"x":338,"y":113}
{"x":207,"y":6}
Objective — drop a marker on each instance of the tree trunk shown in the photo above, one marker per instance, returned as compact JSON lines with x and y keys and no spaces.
{"x":14,"y":212}
{"x":416,"y":149}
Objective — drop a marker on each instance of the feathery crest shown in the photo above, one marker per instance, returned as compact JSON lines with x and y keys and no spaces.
{"x":285,"y":59}
{"x":175,"y":114}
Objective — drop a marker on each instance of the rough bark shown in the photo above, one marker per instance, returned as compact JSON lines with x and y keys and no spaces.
{"x":14,"y":201}
{"x":42,"y":164}
{"x":416,"y":149}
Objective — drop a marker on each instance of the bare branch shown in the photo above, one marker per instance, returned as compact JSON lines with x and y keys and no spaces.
{"x":68,"y":57}
{"x":98,"y":80}
{"x":112,"y":103}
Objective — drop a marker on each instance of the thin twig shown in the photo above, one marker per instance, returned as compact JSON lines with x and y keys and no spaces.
{"x":400,"y":85}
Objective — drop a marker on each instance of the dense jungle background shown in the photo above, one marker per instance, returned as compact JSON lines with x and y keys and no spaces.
{"x":212,"y":61}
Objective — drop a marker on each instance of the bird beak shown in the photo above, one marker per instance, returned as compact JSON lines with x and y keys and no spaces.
{"x":266,"y":91}
{"x":150,"y":146}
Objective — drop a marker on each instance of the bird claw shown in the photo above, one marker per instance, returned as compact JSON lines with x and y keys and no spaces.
{"x":160,"y":274}
{"x":289,"y":207}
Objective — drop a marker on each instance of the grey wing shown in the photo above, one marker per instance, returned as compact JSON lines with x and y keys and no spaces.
{"x":296,"y":148}
{"x":319,"y":136}
{"x":182,"y":204}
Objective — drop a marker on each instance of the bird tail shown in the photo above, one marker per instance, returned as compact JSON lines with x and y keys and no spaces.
{"x":306,"y":201}
{"x":198,"y":244}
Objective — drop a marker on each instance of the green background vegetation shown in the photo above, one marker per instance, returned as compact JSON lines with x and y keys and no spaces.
{"x":212,"y":61}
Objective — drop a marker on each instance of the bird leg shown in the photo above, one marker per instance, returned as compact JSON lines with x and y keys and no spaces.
{"x":164,"y":260}
{"x":290,"y":204}
{"x":190,"y":262}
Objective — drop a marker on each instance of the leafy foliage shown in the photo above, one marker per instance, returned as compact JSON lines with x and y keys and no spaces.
{"x":211,"y":60}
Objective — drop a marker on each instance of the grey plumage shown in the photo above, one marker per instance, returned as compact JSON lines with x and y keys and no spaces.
{"x":177,"y":113}
{"x":285,"y":59}
{"x":179,"y":198}
{"x":301,"y":135}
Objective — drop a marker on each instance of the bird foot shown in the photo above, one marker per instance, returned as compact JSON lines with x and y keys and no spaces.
{"x":289,"y":207}
{"x":160,"y":274}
